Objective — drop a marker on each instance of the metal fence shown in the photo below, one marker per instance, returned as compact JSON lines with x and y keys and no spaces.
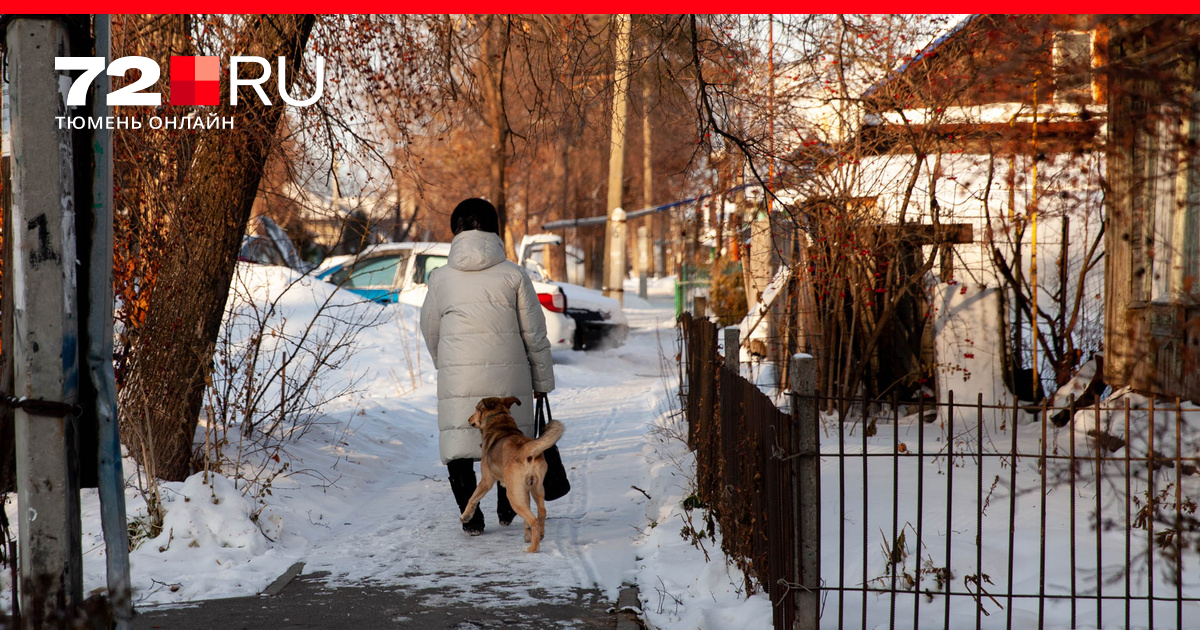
{"x":951,"y":514}
{"x":746,"y":472}
{"x":692,"y":283}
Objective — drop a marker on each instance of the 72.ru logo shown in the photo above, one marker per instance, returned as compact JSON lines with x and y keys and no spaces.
{"x":194,"y":80}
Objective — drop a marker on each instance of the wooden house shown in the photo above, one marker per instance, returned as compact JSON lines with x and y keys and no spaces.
{"x":995,"y":126}
{"x":1152,"y":336}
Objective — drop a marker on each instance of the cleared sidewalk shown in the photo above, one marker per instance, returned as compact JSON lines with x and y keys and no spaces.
{"x":307,"y":603}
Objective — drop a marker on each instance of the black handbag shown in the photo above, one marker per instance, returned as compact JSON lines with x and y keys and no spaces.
{"x":556,"y":484}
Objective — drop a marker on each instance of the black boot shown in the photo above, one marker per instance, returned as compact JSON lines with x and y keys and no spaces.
{"x":463,"y":483}
{"x":504,"y":510}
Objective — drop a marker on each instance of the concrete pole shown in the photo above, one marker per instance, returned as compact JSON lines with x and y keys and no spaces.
{"x":762,"y":258}
{"x":643,"y":244}
{"x":614,"y":259}
{"x":763,"y":262}
{"x":45,"y":322}
{"x":100,"y":349}
{"x":806,"y":474}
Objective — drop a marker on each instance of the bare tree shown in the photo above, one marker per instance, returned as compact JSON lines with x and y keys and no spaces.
{"x":165,"y":376}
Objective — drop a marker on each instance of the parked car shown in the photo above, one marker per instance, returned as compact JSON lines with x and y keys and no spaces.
{"x":398,"y":272}
{"x":268,"y":244}
{"x":532,"y":249}
{"x":599,"y":320}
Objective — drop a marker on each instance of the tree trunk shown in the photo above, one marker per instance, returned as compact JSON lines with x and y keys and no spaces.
{"x":495,"y":54}
{"x":161,"y":400}
{"x":556,"y":255}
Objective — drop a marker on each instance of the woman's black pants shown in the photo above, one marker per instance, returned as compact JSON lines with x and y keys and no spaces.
{"x":463,"y":483}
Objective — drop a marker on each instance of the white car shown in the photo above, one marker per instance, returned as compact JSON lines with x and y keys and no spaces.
{"x":599,"y":320}
{"x":397,"y":272}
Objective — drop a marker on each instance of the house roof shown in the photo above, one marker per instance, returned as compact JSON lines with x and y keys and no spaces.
{"x":922,"y":55}
{"x":986,"y":60}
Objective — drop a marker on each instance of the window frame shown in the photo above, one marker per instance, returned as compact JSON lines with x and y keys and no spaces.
{"x":1173,"y":189}
{"x":1083,"y":93}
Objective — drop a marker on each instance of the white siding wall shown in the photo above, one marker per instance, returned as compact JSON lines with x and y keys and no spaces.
{"x":968,"y":321}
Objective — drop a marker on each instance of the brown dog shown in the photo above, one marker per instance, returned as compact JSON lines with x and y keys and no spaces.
{"x":515,"y":461}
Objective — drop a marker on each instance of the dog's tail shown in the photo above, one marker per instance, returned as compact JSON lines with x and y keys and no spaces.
{"x":550,"y":436}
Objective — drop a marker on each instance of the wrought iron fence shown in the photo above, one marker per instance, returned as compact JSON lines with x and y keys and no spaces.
{"x":951,"y":514}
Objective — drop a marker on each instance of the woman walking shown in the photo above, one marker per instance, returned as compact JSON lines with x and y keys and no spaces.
{"x":484,"y":328}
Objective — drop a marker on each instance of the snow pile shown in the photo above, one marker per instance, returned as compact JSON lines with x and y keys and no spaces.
{"x":210,"y":516}
{"x":1076,"y":388}
{"x":231,"y":537}
{"x":385,"y":358}
{"x":208,"y":541}
{"x":654,"y":286}
{"x":680,"y":589}
{"x":1175,"y":429}
{"x":680,"y":584}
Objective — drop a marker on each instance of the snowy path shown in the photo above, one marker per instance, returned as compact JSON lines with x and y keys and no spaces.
{"x":366,"y":503}
{"x":405,"y":532}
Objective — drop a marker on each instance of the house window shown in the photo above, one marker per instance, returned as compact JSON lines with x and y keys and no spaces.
{"x":1072,"y":67}
{"x":1173,"y":197}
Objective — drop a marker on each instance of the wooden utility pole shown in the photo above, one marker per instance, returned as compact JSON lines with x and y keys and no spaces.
{"x":653,"y":221}
{"x":614,"y":241}
{"x":46,"y":324}
{"x":770,"y":111}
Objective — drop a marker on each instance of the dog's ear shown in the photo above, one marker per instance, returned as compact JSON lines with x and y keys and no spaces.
{"x":509,"y":401}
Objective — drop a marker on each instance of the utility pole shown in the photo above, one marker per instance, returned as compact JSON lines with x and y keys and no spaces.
{"x":46,"y":384}
{"x":653,"y":220}
{"x":99,"y":347}
{"x":614,"y":241}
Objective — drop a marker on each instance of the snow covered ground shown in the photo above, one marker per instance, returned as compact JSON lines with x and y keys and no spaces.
{"x":871,"y":495}
{"x":366,"y":498}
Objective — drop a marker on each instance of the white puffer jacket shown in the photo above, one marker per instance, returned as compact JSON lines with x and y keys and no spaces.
{"x":485,"y":329}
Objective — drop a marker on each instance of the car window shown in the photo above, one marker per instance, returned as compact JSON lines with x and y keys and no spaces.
{"x":374,"y":273}
{"x":425,"y":264}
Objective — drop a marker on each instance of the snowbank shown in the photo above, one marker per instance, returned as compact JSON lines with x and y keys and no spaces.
{"x":229,"y":537}
{"x":680,"y":584}
{"x":210,"y":529}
